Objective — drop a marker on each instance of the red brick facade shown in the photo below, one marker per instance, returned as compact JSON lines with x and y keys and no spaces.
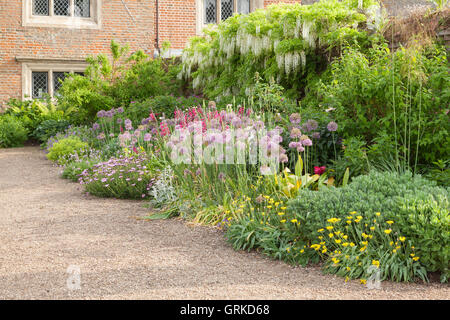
{"x":127,"y":21}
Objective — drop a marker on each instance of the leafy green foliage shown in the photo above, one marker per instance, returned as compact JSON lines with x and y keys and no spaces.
{"x":64,"y":148}
{"x":12,"y":132}
{"x":159,"y":105}
{"x":31,"y":113}
{"x":49,"y":128}
{"x":354,"y":158}
{"x":396,"y":101}
{"x":116,"y":81}
{"x":426,"y":219}
{"x":73,"y":170}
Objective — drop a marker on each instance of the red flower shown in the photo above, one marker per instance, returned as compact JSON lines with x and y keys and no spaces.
{"x":320,"y":170}
{"x":135,"y":150}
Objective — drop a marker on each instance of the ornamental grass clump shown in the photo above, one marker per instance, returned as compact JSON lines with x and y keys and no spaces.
{"x":130,"y":176}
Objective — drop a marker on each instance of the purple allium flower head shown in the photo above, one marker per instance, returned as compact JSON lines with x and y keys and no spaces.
{"x":332,"y":126}
{"x":259,"y":125}
{"x":295,"y":118}
{"x":109,"y":114}
{"x":128,"y":124}
{"x":101,"y":114}
{"x":307,"y":142}
{"x":147,"y":137}
{"x":295,"y":133}
{"x":300,"y":148}
{"x":119,"y":120}
{"x":311,"y":125}
{"x":236,"y":122}
{"x":315,"y":135}
{"x":120,"y":110}
{"x":96,"y":126}
{"x":294,"y":144}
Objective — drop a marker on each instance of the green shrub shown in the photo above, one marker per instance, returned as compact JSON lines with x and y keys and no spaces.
{"x":50,"y":128}
{"x":116,"y":82}
{"x":12,"y":132}
{"x":425,"y":219}
{"x":159,"y":105}
{"x":354,"y":158}
{"x":396,"y":101}
{"x":32,"y":113}
{"x":73,"y":170}
{"x":61,"y":150}
{"x":379,"y":192}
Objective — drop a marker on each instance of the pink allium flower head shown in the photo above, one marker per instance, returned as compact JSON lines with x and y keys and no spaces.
{"x":332,"y":126}
{"x":295,"y":118}
{"x":307,"y":142}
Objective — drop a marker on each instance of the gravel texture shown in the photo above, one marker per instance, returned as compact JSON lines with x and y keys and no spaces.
{"x":47,"y":224}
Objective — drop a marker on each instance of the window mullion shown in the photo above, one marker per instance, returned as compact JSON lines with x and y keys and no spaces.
{"x":50,"y":83}
{"x":72,"y":7}
{"x":219,"y":10}
{"x":50,"y":9}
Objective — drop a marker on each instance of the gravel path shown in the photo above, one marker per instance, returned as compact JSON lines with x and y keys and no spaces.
{"x":47,"y":224}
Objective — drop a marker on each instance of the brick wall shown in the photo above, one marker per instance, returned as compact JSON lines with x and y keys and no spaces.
{"x":177,"y":21}
{"x":16,"y":40}
{"x":135,"y":26}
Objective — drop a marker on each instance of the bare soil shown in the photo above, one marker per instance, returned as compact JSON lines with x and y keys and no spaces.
{"x":48,"y":224}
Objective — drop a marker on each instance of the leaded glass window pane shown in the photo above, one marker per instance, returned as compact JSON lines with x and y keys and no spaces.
{"x":40,"y":7}
{"x":39,"y":84}
{"x":82,"y":8}
{"x":243,"y":6}
{"x":226,"y":9}
{"x":56,"y":83}
{"x":210,"y":11}
{"x":61,"y":7}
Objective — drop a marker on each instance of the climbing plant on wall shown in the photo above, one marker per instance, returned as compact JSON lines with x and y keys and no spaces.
{"x":285,"y":43}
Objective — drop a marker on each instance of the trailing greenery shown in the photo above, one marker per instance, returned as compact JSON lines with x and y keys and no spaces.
{"x":285,"y":42}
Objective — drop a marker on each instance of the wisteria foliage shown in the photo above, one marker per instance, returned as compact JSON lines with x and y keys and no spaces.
{"x":277,"y":42}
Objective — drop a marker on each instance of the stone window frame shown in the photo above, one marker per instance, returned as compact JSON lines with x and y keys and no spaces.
{"x":30,"y":65}
{"x":254,"y":4}
{"x":52,"y":21}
